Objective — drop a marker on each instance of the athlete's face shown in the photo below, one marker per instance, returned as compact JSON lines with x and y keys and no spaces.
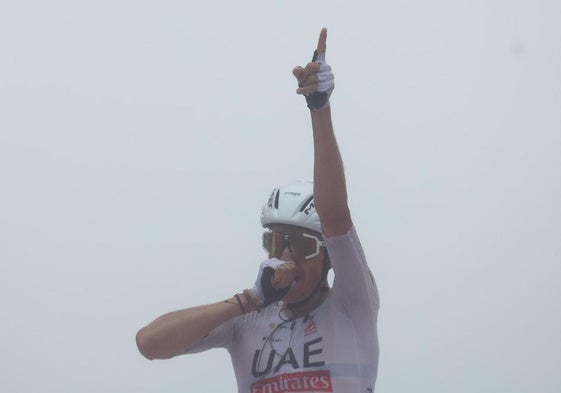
{"x":307,"y":275}
{"x":307,"y":272}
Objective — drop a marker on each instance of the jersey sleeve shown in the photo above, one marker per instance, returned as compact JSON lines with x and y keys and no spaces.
{"x":221,"y":337}
{"x":354,"y":286}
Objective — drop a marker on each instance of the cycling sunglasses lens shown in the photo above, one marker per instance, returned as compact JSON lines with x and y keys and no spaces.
{"x":268,"y":242}
{"x":300,"y":246}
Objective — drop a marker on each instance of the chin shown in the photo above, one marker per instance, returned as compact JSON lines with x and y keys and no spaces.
{"x":291,"y":298}
{"x":295,"y":295}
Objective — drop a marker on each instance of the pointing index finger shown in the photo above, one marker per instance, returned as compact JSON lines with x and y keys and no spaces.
{"x":322,"y":41}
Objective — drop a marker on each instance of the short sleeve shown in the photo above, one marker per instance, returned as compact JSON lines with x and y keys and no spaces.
{"x":220,"y":337}
{"x":354,"y":283}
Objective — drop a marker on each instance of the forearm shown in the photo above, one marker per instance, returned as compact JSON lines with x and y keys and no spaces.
{"x":173,"y":333}
{"x":330,"y":192}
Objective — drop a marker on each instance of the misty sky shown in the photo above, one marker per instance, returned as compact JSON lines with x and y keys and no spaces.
{"x":138,"y":141}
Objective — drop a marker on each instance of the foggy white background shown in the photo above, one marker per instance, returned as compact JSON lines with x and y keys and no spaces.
{"x":139,"y":139}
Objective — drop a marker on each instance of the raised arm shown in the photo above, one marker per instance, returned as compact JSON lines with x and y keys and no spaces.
{"x":330,"y":191}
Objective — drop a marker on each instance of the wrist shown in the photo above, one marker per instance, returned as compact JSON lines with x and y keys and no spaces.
{"x":246,"y":302}
{"x":252,"y":302}
{"x":317,"y":101}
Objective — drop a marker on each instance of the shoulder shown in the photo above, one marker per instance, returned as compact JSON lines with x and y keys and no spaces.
{"x":257,"y":320}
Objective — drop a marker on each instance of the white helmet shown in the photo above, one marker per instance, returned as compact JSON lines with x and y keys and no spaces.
{"x":292,"y":204}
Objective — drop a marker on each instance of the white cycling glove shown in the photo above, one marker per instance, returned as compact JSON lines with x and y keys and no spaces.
{"x":320,"y":98}
{"x":263,"y":288}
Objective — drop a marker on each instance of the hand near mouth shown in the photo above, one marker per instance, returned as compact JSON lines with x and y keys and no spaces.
{"x":284,"y":275}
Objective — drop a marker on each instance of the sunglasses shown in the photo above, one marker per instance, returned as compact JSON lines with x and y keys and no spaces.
{"x":301,"y":245}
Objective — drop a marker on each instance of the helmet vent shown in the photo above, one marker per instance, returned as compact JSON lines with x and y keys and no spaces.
{"x":305,"y":204}
{"x":277,"y":199}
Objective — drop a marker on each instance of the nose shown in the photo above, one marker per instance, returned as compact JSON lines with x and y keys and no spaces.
{"x":286,"y":254}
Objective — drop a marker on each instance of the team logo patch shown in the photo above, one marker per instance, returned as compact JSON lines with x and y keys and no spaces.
{"x":306,"y":381}
{"x":310,"y":328}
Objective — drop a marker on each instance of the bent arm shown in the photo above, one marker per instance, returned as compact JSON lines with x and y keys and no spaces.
{"x":175,"y":332}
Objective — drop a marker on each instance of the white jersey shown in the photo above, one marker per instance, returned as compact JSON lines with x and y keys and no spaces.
{"x":333,"y":349}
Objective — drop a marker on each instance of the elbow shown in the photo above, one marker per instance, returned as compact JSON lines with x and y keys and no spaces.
{"x":148,"y":345}
{"x":145,"y":344}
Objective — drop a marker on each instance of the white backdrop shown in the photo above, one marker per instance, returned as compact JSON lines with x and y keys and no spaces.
{"x":139,"y":139}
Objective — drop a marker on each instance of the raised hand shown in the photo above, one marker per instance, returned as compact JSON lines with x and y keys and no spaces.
{"x":315,"y":80}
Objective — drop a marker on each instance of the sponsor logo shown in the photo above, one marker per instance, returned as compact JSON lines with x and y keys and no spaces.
{"x":310,"y":328}
{"x":264,"y":364}
{"x":306,"y":381}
